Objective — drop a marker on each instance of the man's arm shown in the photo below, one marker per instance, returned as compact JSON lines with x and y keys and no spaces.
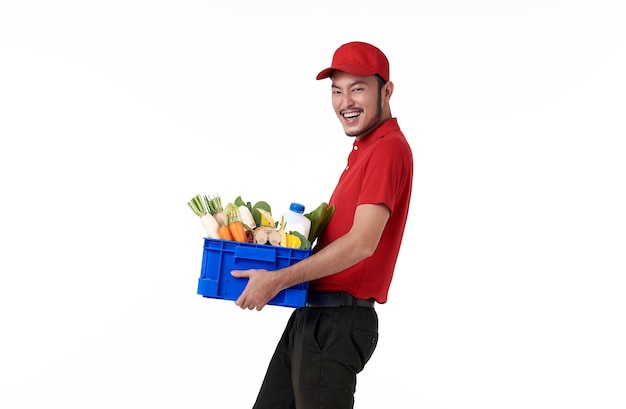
{"x":349,"y":249}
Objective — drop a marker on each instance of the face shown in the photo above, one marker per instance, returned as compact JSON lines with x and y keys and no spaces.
{"x":357,"y":103}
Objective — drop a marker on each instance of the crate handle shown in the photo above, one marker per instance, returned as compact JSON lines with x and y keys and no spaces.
{"x":266,"y":253}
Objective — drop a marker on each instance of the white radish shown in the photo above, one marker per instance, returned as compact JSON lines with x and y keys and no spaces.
{"x":214,"y":206}
{"x":246,"y":217}
{"x":220,"y":218}
{"x":199,"y":206}
{"x":211,"y":225}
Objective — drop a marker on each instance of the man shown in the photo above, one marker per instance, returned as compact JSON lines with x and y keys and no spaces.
{"x":329,"y":341}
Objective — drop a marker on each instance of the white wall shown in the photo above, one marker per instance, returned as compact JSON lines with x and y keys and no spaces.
{"x":509,"y":291}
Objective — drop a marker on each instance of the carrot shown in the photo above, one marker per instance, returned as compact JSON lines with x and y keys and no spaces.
{"x":237,"y":228}
{"x":238,"y":231}
{"x":225,"y":233}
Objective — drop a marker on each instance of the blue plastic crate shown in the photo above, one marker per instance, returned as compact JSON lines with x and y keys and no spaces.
{"x":222,"y":256}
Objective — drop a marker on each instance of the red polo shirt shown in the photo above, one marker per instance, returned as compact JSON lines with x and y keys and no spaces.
{"x":379,"y":170}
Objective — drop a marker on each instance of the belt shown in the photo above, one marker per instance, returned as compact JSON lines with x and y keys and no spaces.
{"x":336,"y":299}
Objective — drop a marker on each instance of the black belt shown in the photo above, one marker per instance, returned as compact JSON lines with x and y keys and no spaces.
{"x":336,"y":299}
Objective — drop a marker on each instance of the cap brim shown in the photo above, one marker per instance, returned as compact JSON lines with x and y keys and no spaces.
{"x":324,"y":74}
{"x":349,"y":68}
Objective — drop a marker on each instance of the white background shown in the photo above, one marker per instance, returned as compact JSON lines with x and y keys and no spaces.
{"x":509,"y":289}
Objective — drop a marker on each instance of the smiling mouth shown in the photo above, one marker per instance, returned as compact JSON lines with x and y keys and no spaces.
{"x":351,"y":115}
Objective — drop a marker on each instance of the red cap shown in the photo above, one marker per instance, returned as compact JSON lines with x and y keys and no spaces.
{"x":358,"y":58}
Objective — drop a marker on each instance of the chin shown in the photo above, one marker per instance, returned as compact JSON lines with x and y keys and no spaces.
{"x":350,"y":131}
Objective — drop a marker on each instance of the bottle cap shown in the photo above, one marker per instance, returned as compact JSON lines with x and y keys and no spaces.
{"x":297,"y":207}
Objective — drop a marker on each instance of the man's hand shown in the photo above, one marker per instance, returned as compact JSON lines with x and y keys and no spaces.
{"x":261,"y":288}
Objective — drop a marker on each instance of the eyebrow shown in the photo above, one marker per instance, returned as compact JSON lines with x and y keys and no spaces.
{"x":352,"y":84}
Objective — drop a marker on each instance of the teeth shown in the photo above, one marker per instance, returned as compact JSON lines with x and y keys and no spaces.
{"x":351,"y":115}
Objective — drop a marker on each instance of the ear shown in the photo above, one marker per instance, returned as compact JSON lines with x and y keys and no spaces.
{"x":387,"y":90}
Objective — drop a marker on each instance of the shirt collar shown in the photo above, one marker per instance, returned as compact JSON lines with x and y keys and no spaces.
{"x":389,"y":125}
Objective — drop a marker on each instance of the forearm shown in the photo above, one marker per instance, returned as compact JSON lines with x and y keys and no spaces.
{"x":336,"y":257}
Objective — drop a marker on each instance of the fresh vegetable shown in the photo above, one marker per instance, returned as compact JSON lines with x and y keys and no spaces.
{"x":215,"y":208}
{"x":225,"y":233}
{"x":254,"y":210}
{"x":210,"y":225}
{"x":258,"y":208}
{"x":237,"y":228}
{"x":319,"y":219}
{"x":241,"y":221}
{"x":265,"y":235}
{"x":292,"y":241}
{"x":305,"y":244}
{"x":266,"y":219}
{"x":238,"y":231}
{"x":246,"y":217}
{"x":199,"y":206}
{"x":283,"y":235}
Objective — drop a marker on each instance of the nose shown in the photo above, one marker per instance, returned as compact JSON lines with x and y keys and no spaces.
{"x":345,"y":101}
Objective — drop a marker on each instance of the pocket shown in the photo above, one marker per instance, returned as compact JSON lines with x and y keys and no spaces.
{"x":321,"y":323}
{"x":365,"y":343}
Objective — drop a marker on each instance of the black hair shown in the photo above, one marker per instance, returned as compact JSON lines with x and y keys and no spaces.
{"x":381,"y":82}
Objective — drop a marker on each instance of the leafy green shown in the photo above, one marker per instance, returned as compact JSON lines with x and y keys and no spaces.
{"x":319,"y":219}
{"x":213,"y":204}
{"x":197,"y":204}
{"x":239,"y":202}
{"x":255,"y":212}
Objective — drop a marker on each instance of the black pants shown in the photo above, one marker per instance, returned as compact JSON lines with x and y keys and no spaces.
{"x":318,"y":357}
